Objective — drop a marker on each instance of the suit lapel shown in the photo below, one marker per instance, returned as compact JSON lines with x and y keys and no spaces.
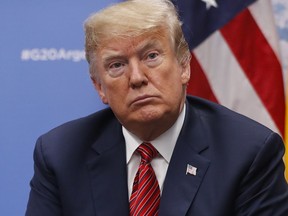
{"x":180,"y":188}
{"x":107,"y":168}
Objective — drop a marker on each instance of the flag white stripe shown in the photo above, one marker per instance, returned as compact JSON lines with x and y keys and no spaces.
{"x":233,"y":89}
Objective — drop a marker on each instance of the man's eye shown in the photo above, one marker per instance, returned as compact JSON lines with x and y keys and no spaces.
{"x":153,"y":59}
{"x":116,"y":69}
{"x":116,"y":65}
{"x":152,"y":55}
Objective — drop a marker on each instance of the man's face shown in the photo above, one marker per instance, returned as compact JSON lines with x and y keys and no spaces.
{"x":141,"y":79}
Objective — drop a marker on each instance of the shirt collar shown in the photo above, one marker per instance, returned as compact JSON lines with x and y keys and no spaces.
{"x":164,"y":144}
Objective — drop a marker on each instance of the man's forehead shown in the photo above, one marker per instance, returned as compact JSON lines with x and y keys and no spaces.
{"x":118,"y":45}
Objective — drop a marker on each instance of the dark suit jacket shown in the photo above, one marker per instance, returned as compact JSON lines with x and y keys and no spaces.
{"x":80,"y":168}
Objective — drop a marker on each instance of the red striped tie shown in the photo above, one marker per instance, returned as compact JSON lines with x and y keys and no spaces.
{"x":145,"y":197}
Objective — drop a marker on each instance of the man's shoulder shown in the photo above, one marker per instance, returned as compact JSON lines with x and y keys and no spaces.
{"x":229,"y":131}
{"x":83,"y":128}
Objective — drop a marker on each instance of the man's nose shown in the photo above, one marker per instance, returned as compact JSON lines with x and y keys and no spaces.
{"x":137,"y":74}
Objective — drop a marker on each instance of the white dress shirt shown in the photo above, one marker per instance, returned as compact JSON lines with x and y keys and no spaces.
{"x":164,"y":144}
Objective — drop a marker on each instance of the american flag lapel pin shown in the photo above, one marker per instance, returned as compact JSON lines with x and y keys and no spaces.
{"x":191,"y":170}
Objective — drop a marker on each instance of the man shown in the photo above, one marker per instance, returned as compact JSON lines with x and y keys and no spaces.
{"x":208,"y":160}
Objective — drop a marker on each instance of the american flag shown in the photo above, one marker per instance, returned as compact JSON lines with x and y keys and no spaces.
{"x":235,"y":57}
{"x":191,"y":170}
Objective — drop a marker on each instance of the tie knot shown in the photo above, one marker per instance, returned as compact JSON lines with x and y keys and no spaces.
{"x":147,"y":152}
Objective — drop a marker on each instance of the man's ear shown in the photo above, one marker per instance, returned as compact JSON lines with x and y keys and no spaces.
{"x":99,"y":88}
{"x":185,"y":75}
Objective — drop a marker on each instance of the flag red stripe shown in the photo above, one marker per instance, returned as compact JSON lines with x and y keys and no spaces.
{"x":199,"y":85}
{"x":259,"y":63}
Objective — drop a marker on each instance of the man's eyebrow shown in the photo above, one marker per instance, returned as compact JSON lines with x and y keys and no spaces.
{"x":152,"y":43}
{"x":109,"y":55}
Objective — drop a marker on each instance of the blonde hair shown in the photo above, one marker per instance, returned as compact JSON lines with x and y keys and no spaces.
{"x":133,"y":18}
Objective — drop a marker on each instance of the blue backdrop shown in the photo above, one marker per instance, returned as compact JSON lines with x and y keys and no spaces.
{"x":44,"y":82}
